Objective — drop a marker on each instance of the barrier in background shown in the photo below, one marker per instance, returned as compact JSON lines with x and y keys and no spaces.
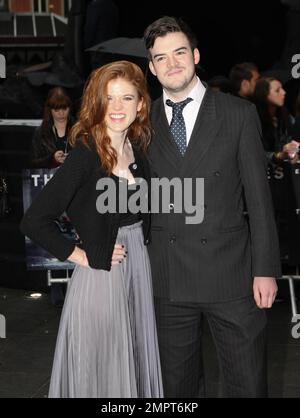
{"x":36,"y":257}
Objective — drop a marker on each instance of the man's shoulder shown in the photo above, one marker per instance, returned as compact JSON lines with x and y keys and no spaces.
{"x":232,"y":102}
{"x":157,"y":107}
{"x":156,"y":104}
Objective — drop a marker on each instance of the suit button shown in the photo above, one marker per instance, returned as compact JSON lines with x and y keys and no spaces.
{"x":172,"y":239}
{"x":217,"y":173}
{"x":134,"y":166}
{"x":203,"y":241}
{"x":147,"y":241}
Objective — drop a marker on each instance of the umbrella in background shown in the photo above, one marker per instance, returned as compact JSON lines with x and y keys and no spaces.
{"x":59,"y":73}
{"x":133,"y":47}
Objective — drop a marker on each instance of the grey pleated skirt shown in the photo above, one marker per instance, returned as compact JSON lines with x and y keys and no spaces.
{"x":107,"y":343}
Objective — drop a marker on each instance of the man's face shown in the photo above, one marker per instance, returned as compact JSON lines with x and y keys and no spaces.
{"x":173,"y":62}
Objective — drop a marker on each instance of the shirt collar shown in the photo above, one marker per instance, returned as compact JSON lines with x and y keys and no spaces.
{"x":197,"y":93}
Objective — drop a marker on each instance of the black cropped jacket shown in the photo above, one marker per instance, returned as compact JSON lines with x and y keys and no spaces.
{"x":73,"y":189}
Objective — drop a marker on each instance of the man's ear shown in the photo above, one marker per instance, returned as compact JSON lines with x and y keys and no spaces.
{"x":196,"y":54}
{"x":152,"y":69}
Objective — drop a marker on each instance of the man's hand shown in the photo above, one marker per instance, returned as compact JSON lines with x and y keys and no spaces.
{"x":265,"y":290}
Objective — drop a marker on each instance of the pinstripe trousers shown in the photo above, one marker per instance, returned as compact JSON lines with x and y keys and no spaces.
{"x":238,"y":329}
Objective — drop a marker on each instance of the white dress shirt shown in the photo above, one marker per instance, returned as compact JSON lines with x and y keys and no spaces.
{"x":190,"y":111}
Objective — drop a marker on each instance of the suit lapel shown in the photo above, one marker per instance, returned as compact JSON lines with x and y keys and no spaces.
{"x":206,"y":127}
{"x":163,"y":141}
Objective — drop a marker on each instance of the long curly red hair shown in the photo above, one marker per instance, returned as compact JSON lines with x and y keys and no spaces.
{"x":91,"y":124}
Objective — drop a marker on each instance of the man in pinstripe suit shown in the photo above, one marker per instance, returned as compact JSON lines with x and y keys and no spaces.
{"x":224,"y":267}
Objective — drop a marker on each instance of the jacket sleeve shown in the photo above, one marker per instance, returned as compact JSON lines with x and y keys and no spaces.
{"x":40,"y":156}
{"x":38,"y":221}
{"x":253,"y":168}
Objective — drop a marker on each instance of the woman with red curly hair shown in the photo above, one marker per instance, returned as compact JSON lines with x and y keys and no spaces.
{"x":107,"y":343}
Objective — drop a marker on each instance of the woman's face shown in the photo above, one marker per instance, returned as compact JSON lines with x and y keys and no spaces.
{"x":276,"y":94}
{"x":123,"y":105}
{"x":60,"y":115}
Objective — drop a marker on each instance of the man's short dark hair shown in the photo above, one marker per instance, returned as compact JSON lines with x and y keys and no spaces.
{"x":240,"y":72}
{"x":165,"y":25}
{"x":221,"y":82}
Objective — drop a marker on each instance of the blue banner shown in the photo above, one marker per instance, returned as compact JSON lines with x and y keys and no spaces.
{"x":36,"y":257}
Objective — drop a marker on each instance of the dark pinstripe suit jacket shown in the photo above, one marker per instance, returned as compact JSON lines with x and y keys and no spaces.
{"x":217,"y":259}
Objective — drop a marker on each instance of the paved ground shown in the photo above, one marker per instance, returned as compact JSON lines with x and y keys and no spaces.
{"x":31,"y":326}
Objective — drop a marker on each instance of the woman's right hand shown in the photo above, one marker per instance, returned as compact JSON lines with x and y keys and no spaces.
{"x":78,"y":256}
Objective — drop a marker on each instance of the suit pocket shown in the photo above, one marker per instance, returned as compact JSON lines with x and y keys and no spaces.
{"x":233,"y":228}
{"x":156,"y":228}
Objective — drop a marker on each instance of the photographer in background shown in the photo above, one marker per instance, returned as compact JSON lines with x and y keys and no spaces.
{"x":50,"y":141}
{"x":49,"y":149}
{"x":269,"y":98}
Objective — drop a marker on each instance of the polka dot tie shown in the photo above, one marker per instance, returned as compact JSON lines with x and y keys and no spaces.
{"x":177,"y":125}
